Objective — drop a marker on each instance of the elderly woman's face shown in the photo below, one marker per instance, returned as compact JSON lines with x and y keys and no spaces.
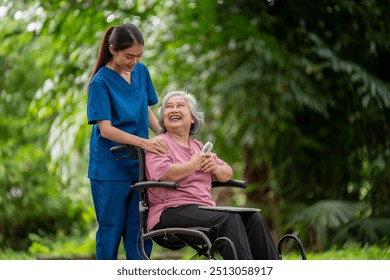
{"x":177,"y":114}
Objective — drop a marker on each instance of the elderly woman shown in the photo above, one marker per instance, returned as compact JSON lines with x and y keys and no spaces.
{"x":180,"y":118}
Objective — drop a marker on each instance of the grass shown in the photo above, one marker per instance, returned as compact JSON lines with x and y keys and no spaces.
{"x":83,"y":248}
{"x":350,"y":251}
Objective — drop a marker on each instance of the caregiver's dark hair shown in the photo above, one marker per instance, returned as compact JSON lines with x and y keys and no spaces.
{"x":119,"y":37}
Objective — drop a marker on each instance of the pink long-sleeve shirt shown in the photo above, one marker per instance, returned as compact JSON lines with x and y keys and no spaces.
{"x":194,"y":188}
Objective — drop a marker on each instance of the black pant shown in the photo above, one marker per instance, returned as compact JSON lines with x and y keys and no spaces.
{"x":246,"y":230}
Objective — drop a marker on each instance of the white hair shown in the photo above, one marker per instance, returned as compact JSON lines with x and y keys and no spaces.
{"x":196,"y":111}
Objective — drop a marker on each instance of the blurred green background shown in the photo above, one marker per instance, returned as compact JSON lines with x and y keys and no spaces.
{"x":296,"y":96}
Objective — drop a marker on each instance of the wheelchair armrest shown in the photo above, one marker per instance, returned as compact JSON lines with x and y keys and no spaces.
{"x":230,"y":183}
{"x":132,"y":151}
{"x":155,"y":184}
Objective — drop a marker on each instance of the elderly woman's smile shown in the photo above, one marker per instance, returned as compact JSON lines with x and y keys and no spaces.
{"x":177,"y":111}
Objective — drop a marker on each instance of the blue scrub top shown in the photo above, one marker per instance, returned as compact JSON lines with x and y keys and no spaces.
{"x":110,"y":97}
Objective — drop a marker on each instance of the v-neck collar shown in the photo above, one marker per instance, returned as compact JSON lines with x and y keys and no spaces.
{"x":119,"y":76}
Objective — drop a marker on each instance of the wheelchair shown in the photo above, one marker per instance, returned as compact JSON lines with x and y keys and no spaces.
{"x":178,"y":238}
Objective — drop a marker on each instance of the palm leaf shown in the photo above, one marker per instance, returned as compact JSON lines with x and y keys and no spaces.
{"x":328,"y":214}
{"x":365,"y":230}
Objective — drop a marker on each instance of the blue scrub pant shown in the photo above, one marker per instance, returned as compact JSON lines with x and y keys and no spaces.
{"x":117,"y":213}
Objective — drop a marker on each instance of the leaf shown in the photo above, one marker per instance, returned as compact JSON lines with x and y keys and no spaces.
{"x":329,"y":214}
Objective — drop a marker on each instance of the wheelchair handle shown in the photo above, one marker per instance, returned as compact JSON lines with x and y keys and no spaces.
{"x":120,"y":148}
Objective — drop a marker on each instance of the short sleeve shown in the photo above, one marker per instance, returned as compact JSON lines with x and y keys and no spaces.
{"x":162,"y":163}
{"x":98,"y":102}
{"x":151,"y":92}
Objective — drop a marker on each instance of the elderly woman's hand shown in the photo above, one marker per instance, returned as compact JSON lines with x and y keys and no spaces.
{"x":208,"y":163}
{"x":196,"y":161}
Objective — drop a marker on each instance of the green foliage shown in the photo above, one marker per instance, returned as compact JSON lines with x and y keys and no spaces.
{"x":339,"y":222}
{"x":350,"y":251}
{"x":62,"y":247}
{"x":327,"y":214}
{"x":364,"y":231}
{"x":9,"y":254}
{"x":33,"y":198}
